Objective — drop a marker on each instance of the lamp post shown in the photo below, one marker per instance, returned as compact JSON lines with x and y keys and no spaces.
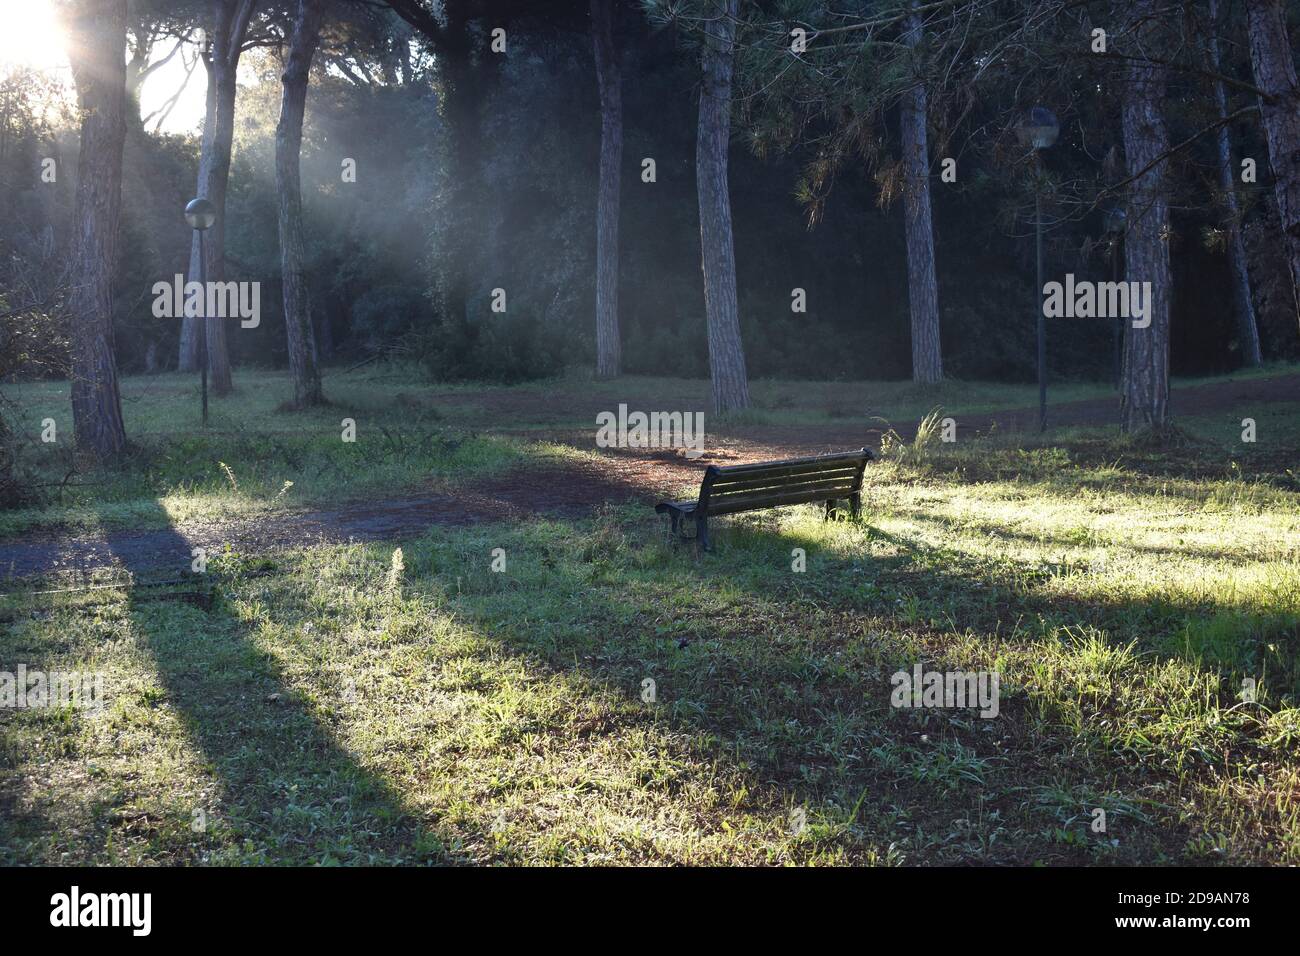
{"x":1116,"y":221}
{"x":201,"y":214}
{"x":1039,"y":129}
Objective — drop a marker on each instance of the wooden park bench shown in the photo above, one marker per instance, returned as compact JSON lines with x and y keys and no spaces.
{"x":731,"y":489}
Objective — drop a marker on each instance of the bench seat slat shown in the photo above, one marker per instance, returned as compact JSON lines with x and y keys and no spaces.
{"x":828,"y":488}
{"x":722,"y":504}
{"x":770,"y":501}
{"x":686,"y":507}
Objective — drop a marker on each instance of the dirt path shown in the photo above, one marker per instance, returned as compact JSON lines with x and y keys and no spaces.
{"x":553,"y":486}
{"x":563,"y":489}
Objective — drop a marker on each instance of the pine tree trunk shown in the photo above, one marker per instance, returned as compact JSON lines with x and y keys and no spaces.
{"x":465,"y":86}
{"x":922,"y":285}
{"x":457,"y":79}
{"x":1144,"y":400}
{"x":215,"y":191}
{"x":231,"y":17}
{"x":608,"y":82}
{"x":288,"y":146}
{"x":726,"y":353}
{"x":324,"y":336}
{"x":97,"y":34}
{"x":1244,"y":307}
{"x":134,"y":81}
{"x":1274,"y":66}
{"x":188,"y":361}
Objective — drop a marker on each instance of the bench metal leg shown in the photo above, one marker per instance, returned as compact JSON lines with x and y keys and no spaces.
{"x":677,"y":525}
{"x":702,"y":533}
{"x":855,"y":508}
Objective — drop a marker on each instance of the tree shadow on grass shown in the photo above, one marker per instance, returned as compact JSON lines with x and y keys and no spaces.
{"x":793,"y":693}
{"x":759,"y":660}
{"x":285,"y":790}
{"x":1066,"y":541}
{"x":783,"y":688}
{"x":1232,"y":641}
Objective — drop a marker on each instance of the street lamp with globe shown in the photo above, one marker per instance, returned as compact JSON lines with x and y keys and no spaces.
{"x":1038,"y":129}
{"x":200,"y":215}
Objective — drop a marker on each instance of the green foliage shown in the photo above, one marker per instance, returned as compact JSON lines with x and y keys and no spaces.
{"x":15,"y":482}
{"x":385,"y":314}
{"x":507,"y":348}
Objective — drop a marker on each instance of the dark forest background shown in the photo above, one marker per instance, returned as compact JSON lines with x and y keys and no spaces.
{"x":374,"y":245}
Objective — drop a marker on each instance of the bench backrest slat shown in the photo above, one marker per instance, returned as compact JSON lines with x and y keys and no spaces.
{"x":851,"y":457}
{"x":755,"y":480}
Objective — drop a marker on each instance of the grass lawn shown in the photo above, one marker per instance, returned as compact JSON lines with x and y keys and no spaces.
{"x":411,"y":436}
{"x":343,"y":704}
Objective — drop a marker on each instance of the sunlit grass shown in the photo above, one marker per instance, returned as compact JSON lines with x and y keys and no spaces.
{"x":485,"y":716}
{"x":413,"y":436}
{"x":174,"y":471}
{"x":320,"y":707}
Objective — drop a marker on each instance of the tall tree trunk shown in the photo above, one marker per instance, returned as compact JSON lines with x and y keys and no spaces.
{"x":191,"y":327}
{"x":97,"y":35}
{"x":1244,"y":307}
{"x":231,"y":19}
{"x":135,"y":76}
{"x":922,"y":286}
{"x":324,"y":336}
{"x":726,"y":353}
{"x":608,"y":82}
{"x":214,"y":190}
{"x":1144,"y":400}
{"x":288,"y":146}
{"x":465,"y":83}
{"x":1274,"y":66}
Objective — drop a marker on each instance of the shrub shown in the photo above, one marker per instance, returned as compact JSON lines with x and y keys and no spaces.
{"x":508,"y":348}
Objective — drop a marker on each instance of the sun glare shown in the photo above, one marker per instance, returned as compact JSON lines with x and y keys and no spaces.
{"x":30,"y":35}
